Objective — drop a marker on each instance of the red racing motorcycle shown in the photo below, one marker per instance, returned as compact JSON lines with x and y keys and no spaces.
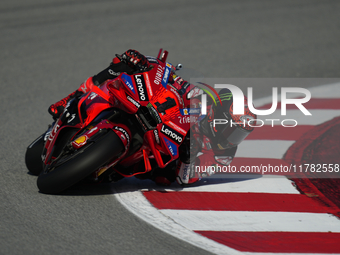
{"x":112,"y":129}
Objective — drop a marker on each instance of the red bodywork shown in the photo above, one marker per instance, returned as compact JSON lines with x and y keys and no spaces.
{"x":147,"y":90}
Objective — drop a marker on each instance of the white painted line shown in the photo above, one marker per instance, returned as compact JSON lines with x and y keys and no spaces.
{"x":278,"y":253}
{"x":137,"y":204}
{"x":326,"y":91}
{"x":323,"y":91}
{"x":317,"y":117}
{"x":263,"y":148}
{"x":218,"y":183}
{"x":254,"y":221}
{"x":127,"y":192}
{"x":240,"y":183}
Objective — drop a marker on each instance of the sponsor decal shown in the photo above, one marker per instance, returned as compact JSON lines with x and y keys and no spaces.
{"x":159,"y":74}
{"x":152,"y":59}
{"x":184,"y":111}
{"x":47,"y":135}
{"x":190,"y":111}
{"x":179,"y":98}
{"x":143,"y":95}
{"x":185,"y":86}
{"x":92,"y":130}
{"x":166,"y":75}
{"x":171,"y":133}
{"x":187,"y":119}
{"x":154,"y":112}
{"x":135,"y":103}
{"x":127,"y":80}
{"x":53,"y":132}
{"x":186,"y":168}
{"x":92,"y":96}
{"x":172,"y":147}
{"x":148,"y":84}
{"x":155,"y":132}
{"x":81,"y":140}
{"x":176,"y":127}
{"x":113,"y":72}
{"x":71,"y":118}
{"x":124,"y":132}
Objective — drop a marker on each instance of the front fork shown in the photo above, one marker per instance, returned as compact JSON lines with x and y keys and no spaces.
{"x":121,"y":130}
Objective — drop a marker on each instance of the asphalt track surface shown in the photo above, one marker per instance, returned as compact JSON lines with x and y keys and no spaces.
{"x":49,"y":47}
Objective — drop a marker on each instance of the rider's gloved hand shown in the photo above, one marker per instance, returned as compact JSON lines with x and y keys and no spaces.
{"x":135,"y":59}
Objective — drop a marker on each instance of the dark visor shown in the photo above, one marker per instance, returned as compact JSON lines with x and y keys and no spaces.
{"x":232,"y":136}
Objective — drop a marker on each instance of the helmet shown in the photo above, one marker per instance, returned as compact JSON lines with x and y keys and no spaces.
{"x":235,"y":128}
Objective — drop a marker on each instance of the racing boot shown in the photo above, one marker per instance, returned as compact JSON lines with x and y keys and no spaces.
{"x":57,"y":108}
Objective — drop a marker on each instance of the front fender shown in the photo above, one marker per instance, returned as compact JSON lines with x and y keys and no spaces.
{"x":93,"y":133}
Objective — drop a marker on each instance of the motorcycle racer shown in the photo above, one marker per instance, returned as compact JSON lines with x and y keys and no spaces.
{"x":216,"y":145}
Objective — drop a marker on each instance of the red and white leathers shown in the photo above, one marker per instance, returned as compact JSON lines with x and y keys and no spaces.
{"x":185,"y":170}
{"x":208,"y":149}
{"x":203,"y":156}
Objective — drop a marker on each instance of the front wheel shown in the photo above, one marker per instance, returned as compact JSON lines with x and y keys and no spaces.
{"x":33,"y":159}
{"x":81,"y":164}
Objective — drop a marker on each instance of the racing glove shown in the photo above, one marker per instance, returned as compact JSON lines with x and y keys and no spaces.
{"x":135,"y":59}
{"x":57,"y":108}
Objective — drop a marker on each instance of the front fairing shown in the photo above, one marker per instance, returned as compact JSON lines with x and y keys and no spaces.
{"x":150,"y":94}
{"x":156,"y":107}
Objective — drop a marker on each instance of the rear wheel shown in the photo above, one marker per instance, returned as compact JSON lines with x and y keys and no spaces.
{"x":33,"y":160}
{"x":80,"y":164}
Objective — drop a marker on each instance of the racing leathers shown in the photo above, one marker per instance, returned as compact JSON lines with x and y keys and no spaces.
{"x":209,"y":147}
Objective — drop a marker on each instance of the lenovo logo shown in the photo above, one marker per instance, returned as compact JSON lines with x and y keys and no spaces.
{"x":139,"y":79}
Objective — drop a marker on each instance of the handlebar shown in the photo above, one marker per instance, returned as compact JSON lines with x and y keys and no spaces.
{"x":138,"y":66}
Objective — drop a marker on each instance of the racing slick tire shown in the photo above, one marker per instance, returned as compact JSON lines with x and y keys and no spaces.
{"x":33,"y":159}
{"x":81,"y":164}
